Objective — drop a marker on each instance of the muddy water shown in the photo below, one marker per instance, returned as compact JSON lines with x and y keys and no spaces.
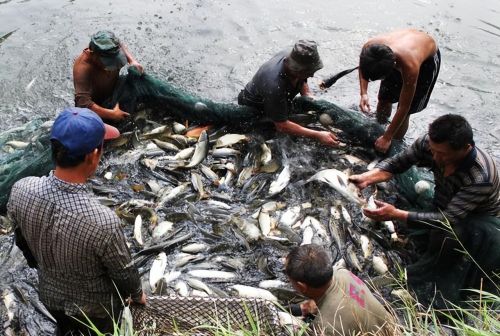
{"x":214,"y":47}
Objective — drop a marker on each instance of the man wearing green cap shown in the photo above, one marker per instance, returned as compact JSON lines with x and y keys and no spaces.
{"x":278,"y":81}
{"x":96,"y":72}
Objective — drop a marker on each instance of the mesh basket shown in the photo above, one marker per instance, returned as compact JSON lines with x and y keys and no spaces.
{"x":167,"y":315}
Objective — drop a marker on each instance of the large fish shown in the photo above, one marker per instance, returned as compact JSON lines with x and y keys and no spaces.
{"x":253,"y":292}
{"x":200,"y":151}
{"x":157,"y":270}
{"x":211,"y":274}
{"x":340,"y":182}
{"x":281,"y":182}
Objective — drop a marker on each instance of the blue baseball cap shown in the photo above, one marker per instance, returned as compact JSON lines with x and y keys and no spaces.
{"x":81,"y":131}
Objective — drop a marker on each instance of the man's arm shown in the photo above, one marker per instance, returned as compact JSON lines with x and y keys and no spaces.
{"x":131,"y":59}
{"x":364,"y":102}
{"x":120,"y":267}
{"x":306,"y":91}
{"x":466,"y":200}
{"x":409,"y":76}
{"x":289,"y":127}
{"x":83,"y":94}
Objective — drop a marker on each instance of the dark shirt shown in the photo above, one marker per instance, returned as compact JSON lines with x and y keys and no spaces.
{"x":93,"y":84}
{"x":77,"y":244}
{"x":271,"y":90}
{"x":474,"y":187}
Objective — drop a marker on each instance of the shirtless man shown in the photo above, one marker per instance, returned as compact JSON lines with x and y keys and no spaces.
{"x":407,"y":61}
{"x":96,"y":72}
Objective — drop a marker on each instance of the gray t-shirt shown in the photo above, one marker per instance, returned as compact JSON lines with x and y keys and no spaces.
{"x":271,"y":90}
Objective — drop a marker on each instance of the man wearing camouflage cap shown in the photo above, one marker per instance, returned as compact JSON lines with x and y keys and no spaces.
{"x":278,"y":81}
{"x":96,"y":72}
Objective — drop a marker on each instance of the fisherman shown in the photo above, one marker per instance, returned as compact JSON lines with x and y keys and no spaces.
{"x":345,"y":305}
{"x":467,"y":195}
{"x":278,"y":81}
{"x":407,"y":62}
{"x":96,"y":73}
{"x":76,"y":244}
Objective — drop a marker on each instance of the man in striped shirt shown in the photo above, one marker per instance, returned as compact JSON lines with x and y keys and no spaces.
{"x":467,"y":192}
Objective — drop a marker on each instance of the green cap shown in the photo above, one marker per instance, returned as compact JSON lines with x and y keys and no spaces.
{"x":107,"y":46}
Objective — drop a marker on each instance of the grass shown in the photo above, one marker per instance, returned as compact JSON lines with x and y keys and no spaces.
{"x":479,"y":316}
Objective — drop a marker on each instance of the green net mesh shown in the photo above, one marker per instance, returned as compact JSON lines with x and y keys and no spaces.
{"x":17,"y":162}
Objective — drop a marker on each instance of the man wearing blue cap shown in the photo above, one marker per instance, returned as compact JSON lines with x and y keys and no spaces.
{"x":96,"y":72}
{"x":76,"y":244}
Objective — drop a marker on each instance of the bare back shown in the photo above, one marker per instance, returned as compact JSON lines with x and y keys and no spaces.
{"x":411,"y":47}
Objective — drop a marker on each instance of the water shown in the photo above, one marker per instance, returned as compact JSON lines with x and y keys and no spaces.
{"x":214,"y":47}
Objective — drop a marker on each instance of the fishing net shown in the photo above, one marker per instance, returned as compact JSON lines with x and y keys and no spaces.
{"x":164,"y":100}
{"x":32,"y":160}
{"x":167,"y":315}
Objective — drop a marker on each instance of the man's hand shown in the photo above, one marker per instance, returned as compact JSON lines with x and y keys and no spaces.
{"x":118,"y":114}
{"x":382,"y":144}
{"x":309,"y":307}
{"x":136,"y":64}
{"x":385,"y":211}
{"x":364,"y":103}
{"x":361,"y":181}
{"x":328,"y":138}
{"x":322,"y":85}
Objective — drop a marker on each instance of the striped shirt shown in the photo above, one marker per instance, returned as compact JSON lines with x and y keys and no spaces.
{"x":474,"y":187}
{"x":78,"y":245}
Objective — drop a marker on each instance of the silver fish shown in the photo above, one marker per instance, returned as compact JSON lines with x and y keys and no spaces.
{"x":181,"y":288}
{"x":225,"y":152}
{"x":379,"y":265}
{"x":253,"y":292}
{"x":185,"y":154}
{"x":178,"y":128}
{"x":171,"y":195}
{"x":366,"y":246}
{"x":228,"y":140}
{"x":352,"y":259}
{"x":290,"y":216}
{"x":200,"y":151}
{"x":197,"y":184}
{"x":200,"y":285}
{"x":266,"y":284}
{"x":210,"y":174}
{"x":211,"y":274}
{"x":335,"y":231}
{"x":266,"y":155}
{"x":138,"y":230}
{"x":307,"y":235}
{"x":281,"y":182}
{"x":264,"y":222}
{"x":340,"y":182}
{"x":194,"y":248}
{"x":162,"y":228}
{"x":157,"y":270}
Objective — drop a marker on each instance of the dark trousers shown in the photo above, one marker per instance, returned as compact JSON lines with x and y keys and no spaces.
{"x":73,"y":326}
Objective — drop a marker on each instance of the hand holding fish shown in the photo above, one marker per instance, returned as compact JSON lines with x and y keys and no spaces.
{"x":385,"y":211}
{"x":370,"y":177}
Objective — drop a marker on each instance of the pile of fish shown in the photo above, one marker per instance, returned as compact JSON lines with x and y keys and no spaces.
{"x":207,"y":212}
